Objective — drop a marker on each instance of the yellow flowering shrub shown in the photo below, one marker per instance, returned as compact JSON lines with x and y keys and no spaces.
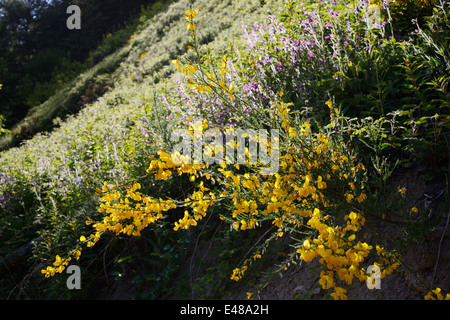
{"x":313,"y":172}
{"x":317,"y":190}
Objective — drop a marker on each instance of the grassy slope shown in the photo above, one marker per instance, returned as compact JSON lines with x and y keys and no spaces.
{"x":66,"y":100}
{"x":162,"y":40}
{"x":54,"y":174}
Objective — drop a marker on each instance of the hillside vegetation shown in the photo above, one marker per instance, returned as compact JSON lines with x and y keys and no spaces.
{"x":354,"y":97}
{"x":48,"y":73}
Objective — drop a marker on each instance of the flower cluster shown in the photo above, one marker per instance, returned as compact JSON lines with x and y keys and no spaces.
{"x":126,"y":214}
{"x":130,"y":214}
{"x":190,"y":16}
{"x":238,"y":273}
{"x":340,"y":254}
{"x":436,"y":295}
{"x":60,"y":264}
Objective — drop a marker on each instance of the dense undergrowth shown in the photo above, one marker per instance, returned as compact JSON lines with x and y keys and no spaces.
{"x":351,"y":93}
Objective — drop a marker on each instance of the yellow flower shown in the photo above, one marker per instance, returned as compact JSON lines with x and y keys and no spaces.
{"x":57,"y":261}
{"x":77,"y":254}
{"x":189,"y":69}
{"x":438,"y":294}
{"x":349,"y":197}
{"x":190,"y":14}
{"x":307,"y":255}
{"x":402,"y":191}
{"x":305,"y":128}
{"x":223,"y":72}
{"x":321,"y":184}
{"x":362,"y":197}
{"x":235,"y":276}
{"x":326,"y":280}
{"x":306,"y":244}
{"x":292,"y":132}
{"x":177,"y":63}
{"x":339,"y":293}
